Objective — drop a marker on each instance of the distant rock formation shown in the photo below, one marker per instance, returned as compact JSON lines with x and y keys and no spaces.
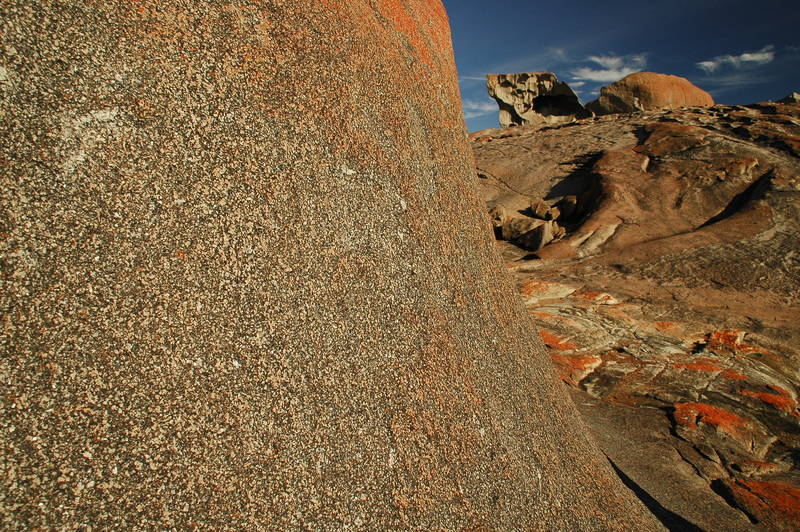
{"x":645,"y":91}
{"x":225,"y":305}
{"x":675,"y":289}
{"x":533,"y":97}
{"x":790,"y":98}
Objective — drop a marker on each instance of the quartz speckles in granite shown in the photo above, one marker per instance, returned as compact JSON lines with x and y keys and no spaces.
{"x":247,"y":285}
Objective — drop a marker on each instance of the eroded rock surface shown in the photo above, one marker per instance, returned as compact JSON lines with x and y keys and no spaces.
{"x":224,"y":306}
{"x":533,"y":97}
{"x":672,"y":303}
{"x":793,"y":97}
{"x":647,"y":91}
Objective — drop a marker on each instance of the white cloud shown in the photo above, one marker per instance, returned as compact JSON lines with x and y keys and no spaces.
{"x":472,"y":78}
{"x":559,"y":53}
{"x":475,"y":108}
{"x":577,"y":83}
{"x":761,"y":57}
{"x":613,"y":67}
{"x":610,"y":62}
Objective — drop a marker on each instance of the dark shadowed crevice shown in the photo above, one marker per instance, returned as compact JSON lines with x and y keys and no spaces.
{"x":581,"y":180}
{"x":672,"y":521}
{"x":719,"y":487}
{"x":557,"y":105}
{"x":754,"y":192}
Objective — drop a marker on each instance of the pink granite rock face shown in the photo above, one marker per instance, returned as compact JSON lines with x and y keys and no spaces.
{"x":224,"y":306}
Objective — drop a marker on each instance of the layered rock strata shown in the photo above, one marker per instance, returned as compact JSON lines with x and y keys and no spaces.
{"x":533,"y":97}
{"x":671,"y":305}
{"x":224,"y":306}
{"x":648,"y":91}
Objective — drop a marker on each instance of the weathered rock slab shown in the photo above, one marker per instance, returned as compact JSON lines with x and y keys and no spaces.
{"x":673,"y":296}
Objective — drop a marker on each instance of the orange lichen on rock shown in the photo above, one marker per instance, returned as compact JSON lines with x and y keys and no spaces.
{"x":773,"y":502}
{"x":533,"y":288}
{"x":405,"y":24}
{"x":554,"y":342}
{"x":729,"y":340}
{"x":780,"y":400}
{"x":598,"y":297}
{"x":699,"y":364}
{"x":573,"y":369}
{"x":665,"y":326}
{"x":580,"y":362}
{"x":690,"y":414}
{"x":733,"y":374}
{"x":546,"y":316}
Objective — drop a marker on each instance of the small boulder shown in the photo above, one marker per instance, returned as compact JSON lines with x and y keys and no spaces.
{"x":514,"y":228}
{"x":498,"y":215}
{"x":539,"y":208}
{"x":538,"y":237}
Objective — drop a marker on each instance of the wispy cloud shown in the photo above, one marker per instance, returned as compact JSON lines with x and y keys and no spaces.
{"x":613,"y":67}
{"x":720,"y":84}
{"x":760,"y":57}
{"x":544,"y":60}
{"x":475,"y":108}
{"x":577,"y":84}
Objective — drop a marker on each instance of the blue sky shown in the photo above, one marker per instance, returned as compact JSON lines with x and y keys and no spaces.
{"x":739,"y":51}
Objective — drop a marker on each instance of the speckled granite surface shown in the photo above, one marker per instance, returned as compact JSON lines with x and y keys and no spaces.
{"x":247,"y":284}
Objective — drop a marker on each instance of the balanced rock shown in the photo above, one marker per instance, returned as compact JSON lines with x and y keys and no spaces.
{"x":644,"y":91}
{"x":533,"y":97}
{"x":224,"y":305}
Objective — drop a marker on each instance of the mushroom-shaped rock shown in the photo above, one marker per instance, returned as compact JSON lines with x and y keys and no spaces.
{"x":533,"y":97}
{"x":223,"y":303}
{"x":645,"y":91}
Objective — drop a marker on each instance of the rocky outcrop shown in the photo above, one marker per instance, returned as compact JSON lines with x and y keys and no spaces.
{"x":790,"y":98}
{"x":224,"y":306}
{"x":647,"y":91}
{"x":671,"y":304}
{"x":533,"y":97}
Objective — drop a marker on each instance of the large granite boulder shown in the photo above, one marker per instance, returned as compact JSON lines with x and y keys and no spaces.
{"x":646,"y":91}
{"x":533,"y":97}
{"x":225,"y":305}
